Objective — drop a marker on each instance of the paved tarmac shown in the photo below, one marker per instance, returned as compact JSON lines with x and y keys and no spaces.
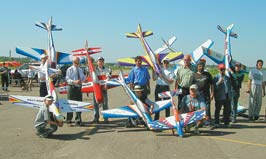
{"x":245,"y":140}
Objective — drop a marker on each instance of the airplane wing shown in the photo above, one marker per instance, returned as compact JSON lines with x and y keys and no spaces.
{"x":170,"y":123}
{"x":219,"y":58}
{"x":130,"y":61}
{"x":88,"y":86}
{"x":172,"y":56}
{"x":65,"y":105}
{"x":133,"y":111}
{"x":198,"y":53}
{"x":34,"y":53}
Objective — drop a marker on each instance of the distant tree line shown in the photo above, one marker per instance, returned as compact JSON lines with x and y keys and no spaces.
{"x":18,"y":59}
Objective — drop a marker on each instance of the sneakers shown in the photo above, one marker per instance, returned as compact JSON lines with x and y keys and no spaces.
{"x":256,"y":117}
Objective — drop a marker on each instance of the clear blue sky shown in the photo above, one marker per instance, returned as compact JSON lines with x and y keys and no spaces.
{"x":104,"y":23}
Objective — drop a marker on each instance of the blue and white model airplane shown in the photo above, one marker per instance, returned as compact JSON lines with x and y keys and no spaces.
{"x":225,"y":58}
{"x":56,"y":57}
{"x":137,"y":109}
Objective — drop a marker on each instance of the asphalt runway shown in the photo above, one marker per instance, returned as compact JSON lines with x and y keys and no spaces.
{"x":113,"y":141}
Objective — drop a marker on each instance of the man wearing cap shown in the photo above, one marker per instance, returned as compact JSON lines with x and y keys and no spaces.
{"x":236,"y":76}
{"x":256,"y":89}
{"x":139,"y":90}
{"x":42,"y":78}
{"x":163,"y":82}
{"x":184,"y":78}
{"x":222,"y":95}
{"x":43,"y":124}
{"x":193,"y":102}
{"x":204,"y":81}
{"x":139,"y":75}
{"x":101,"y":70}
{"x":74,"y":78}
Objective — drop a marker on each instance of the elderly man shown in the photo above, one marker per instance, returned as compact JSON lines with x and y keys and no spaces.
{"x":184,"y":78}
{"x":193,"y":102}
{"x":222,"y":96}
{"x":74,"y":78}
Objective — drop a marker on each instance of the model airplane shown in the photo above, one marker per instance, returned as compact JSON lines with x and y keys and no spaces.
{"x":88,"y":86}
{"x":59,"y":104}
{"x":225,"y":58}
{"x":177,"y":118}
{"x":137,"y":109}
{"x":95,"y":82}
{"x":151,"y":59}
{"x":171,"y":56}
{"x":94,"y":78}
{"x":56,"y":57}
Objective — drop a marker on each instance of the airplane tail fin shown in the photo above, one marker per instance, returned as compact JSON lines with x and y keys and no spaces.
{"x":48,"y":26}
{"x":136,"y":35}
{"x":166,"y":45}
{"x":223,"y":30}
{"x":139,"y":31}
{"x":199,"y":52}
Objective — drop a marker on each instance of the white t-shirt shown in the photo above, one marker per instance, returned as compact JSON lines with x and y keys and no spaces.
{"x":168,"y":73}
{"x":257,"y":76}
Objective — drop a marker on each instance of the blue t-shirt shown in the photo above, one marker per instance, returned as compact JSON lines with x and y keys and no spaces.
{"x":139,"y":76}
{"x":189,"y":102}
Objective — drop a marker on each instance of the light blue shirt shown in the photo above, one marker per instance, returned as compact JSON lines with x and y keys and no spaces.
{"x":72,"y":74}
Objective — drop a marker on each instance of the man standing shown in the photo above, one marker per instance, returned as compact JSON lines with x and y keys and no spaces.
{"x":42,"y":78}
{"x":222,"y":95}
{"x":74,"y":78}
{"x":101,"y":70}
{"x":204,"y":81}
{"x":184,"y":78}
{"x":163,"y":82}
{"x":139,"y":75}
{"x":236,"y":76}
{"x":4,"y":79}
{"x":256,"y":88}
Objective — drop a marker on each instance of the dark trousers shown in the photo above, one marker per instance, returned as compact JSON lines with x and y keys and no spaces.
{"x":43,"y":89}
{"x":74,"y":93}
{"x":185,"y":91}
{"x":234,"y":103}
{"x":5,"y":82}
{"x":208,"y":106}
{"x":227,"y":110}
{"x":160,"y":89}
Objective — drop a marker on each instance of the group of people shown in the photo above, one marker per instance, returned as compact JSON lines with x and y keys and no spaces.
{"x":196,"y":87}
